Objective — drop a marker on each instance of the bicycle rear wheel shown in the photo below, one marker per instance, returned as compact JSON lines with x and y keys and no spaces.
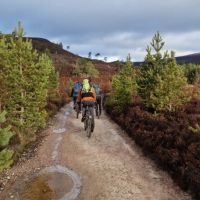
{"x":97,"y":110}
{"x":89,"y":127}
{"x":85,"y":124}
{"x":77,"y":110}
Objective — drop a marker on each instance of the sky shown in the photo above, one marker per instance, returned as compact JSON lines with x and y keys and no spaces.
{"x":113,"y":28}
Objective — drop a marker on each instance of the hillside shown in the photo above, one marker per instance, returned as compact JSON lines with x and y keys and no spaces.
{"x":65,"y":62}
{"x":192,"y":58}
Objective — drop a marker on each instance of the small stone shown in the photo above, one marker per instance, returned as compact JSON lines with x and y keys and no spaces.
{"x":12,"y":196}
{"x":1,"y":189}
{"x":8,"y":177}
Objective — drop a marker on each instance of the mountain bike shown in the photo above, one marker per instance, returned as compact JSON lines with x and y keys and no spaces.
{"x":89,"y":120}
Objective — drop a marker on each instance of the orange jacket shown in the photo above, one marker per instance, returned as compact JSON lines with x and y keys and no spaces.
{"x":89,"y":96}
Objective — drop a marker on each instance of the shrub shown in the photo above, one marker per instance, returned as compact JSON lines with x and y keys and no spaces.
{"x":5,"y":136}
{"x":161,"y":80}
{"x":123,"y":86}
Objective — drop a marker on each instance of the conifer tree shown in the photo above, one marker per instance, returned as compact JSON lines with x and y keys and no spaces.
{"x":192,"y":72}
{"x":27,"y":83}
{"x":89,"y":69}
{"x":124,"y":85}
{"x":161,"y":81}
{"x":3,"y":59}
{"x":5,"y":136}
{"x":85,"y":68}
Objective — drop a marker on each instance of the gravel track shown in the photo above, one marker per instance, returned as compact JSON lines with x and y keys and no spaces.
{"x":110,"y":165}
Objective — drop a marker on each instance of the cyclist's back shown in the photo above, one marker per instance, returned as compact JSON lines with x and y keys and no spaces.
{"x":87,"y":96}
{"x":86,"y":92}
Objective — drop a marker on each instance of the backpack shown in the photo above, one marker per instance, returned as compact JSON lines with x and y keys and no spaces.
{"x":97,"y":90}
{"x":86,"y":86}
{"x":76,"y":89}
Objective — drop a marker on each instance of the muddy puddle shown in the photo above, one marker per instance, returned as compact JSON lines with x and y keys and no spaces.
{"x":51,"y":183}
{"x":51,"y":186}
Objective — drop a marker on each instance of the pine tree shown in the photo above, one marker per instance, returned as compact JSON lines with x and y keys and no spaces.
{"x":3,"y":58}
{"x":124,"y":85}
{"x":5,"y":136}
{"x":27,"y":84}
{"x":85,"y":68}
{"x":161,"y":81}
{"x":192,"y":72}
{"x":90,"y":70}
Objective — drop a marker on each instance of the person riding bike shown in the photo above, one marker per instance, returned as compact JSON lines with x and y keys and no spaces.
{"x":87,"y":96}
{"x":74,"y":92}
{"x":98,"y":96}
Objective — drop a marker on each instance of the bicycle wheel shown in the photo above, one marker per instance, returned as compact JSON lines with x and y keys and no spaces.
{"x":97,"y":111}
{"x":77,"y":111}
{"x":89,"y":127}
{"x":85,"y":124}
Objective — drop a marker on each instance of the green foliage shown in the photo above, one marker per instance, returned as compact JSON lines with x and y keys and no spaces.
{"x":123,"y":86}
{"x":28,"y":78}
{"x":69,"y":87}
{"x":161,"y":80}
{"x":53,"y":80}
{"x":5,"y":136}
{"x":5,"y":158}
{"x":192,"y":72}
{"x":85,"y":68}
{"x":78,"y":70}
{"x":90,"y":70}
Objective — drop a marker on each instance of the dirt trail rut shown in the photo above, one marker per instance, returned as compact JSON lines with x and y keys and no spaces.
{"x":110,"y":166}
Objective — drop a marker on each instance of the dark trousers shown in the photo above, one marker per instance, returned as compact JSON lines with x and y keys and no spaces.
{"x":74,"y":100}
{"x":99,"y":103}
{"x":90,"y":104}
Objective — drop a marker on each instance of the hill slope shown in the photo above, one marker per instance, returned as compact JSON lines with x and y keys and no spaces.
{"x":192,"y":58}
{"x":65,"y":62}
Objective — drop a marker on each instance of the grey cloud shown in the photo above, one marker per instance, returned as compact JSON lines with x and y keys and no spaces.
{"x":114,"y":27}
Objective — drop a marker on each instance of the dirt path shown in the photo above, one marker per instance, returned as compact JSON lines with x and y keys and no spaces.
{"x":110,"y":166}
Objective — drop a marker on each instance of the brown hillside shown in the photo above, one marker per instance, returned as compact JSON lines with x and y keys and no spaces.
{"x":64,"y":62}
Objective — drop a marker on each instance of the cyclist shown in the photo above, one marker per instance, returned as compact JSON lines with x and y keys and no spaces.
{"x":74,"y":92}
{"x":98,"y":96}
{"x":87,"y":96}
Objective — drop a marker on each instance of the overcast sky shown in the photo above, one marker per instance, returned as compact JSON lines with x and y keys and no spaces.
{"x":112,"y":28}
